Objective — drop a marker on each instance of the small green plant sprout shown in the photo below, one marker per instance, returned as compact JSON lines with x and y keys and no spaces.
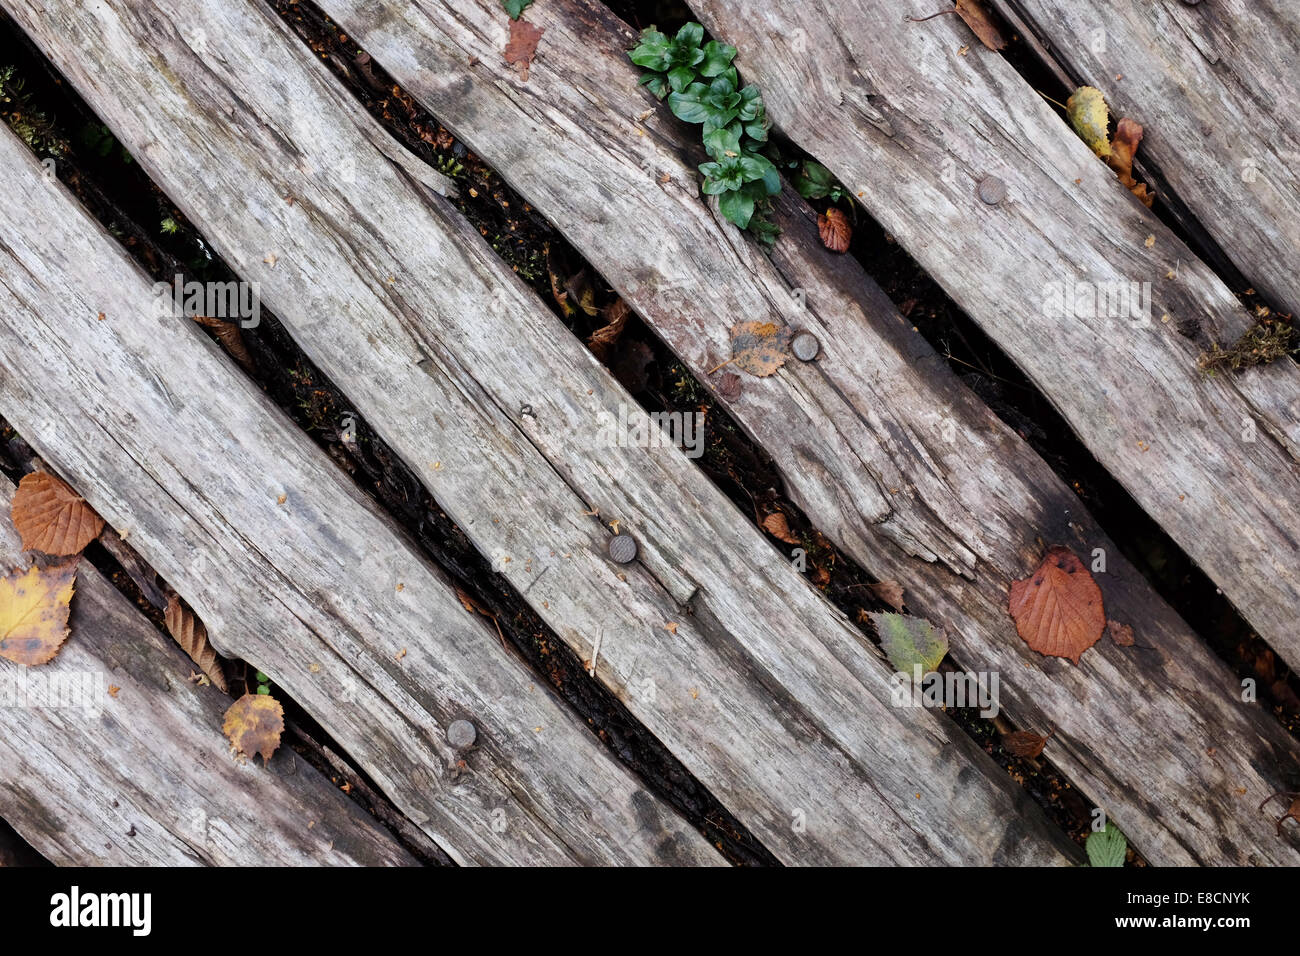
{"x":263,"y":683}
{"x":814,"y":181}
{"x":1106,"y":847}
{"x":515,"y":8}
{"x":702,"y":87}
{"x":168,"y":226}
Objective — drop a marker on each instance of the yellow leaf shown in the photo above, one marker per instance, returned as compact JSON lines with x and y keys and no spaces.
{"x":34,"y":607}
{"x":254,"y":724}
{"x":1090,"y":118}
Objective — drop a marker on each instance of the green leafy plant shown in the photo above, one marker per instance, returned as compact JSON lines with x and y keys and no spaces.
{"x":516,"y":8}
{"x":702,"y":87}
{"x":263,"y":683}
{"x":814,"y":181}
{"x":1106,"y":847}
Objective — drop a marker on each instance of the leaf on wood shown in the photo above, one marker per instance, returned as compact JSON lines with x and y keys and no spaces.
{"x":777,"y":525}
{"x":522,"y":45}
{"x":758,"y":348}
{"x":891,"y":592}
{"x":1058,"y":609}
{"x":1024,"y":743}
{"x":189,"y":632}
{"x":835,"y":230}
{"x":729,"y":386}
{"x":1121,"y":634}
{"x":34,"y":606}
{"x":253,"y":725}
{"x":981,"y":24}
{"x":51,"y":517}
{"x":908,"y":641}
{"x":606,"y":337}
{"x":228,"y":334}
{"x":1106,"y":847}
{"x":1090,"y":117}
{"x":1128,"y":134}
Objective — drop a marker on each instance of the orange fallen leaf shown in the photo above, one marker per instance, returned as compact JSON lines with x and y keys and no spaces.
{"x":1024,"y":743}
{"x":758,"y":348}
{"x":835,"y":230}
{"x":253,"y":725}
{"x":34,"y":606}
{"x":606,"y":337}
{"x":228,"y":334}
{"x":1128,"y":134}
{"x":190,"y":633}
{"x":522,"y":45}
{"x":1058,"y":609}
{"x":778,"y":526}
{"x":51,"y":517}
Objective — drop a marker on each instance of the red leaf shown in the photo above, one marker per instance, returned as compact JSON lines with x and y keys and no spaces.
{"x":835,"y":230}
{"x":522,"y":45}
{"x":1058,"y":609}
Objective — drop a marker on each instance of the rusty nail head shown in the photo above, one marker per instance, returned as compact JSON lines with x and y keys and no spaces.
{"x":622,"y":548}
{"x":991,"y":190}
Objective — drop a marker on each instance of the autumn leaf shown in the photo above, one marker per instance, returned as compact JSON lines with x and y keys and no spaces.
{"x":51,"y":517}
{"x":1058,"y":609}
{"x":189,"y":632}
{"x":228,"y":334}
{"x":607,"y":336}
{"x":891,"y":592}
{"x":777,"y":525}
{"x":835,"y":230}
{"x":34,"y":606}
{"x":729,"y":386}
{"x":253,"y":725}
{"x":758,"y":348}
{"x":1106,"y":847}
{"x":1121,"y":634}
{"x":981,"y":24}
{"x":1090,"y":117}
{"x":522,"y":45}
{"x":1128,"y":134}
{"x":908,"y":641}
{"x":1024,"y":743}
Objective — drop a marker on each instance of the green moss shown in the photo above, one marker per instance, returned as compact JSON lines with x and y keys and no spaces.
{"x":1266,"y":341}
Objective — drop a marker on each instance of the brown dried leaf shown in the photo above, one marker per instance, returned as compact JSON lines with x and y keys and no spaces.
{"x":51,"y":517}
{"x":34,"y":606}
{"x":758,"y":347}
{"x":1128,"y":134}
{"x":253,"y":725}
{"x":981,"y":24}
{"x":1121,"y":634}
{"x":1024,"y":743}
{"x":606,"y":337}
{"x":1058,"y":609}
{"x":729,"y":386}
{"x":836,"y":232}
{"x":228,"y":334}
{"x":778,"y":527}
{"x":188,"y":631}
{"x":522,"y":45}
{"x":891,"y":592}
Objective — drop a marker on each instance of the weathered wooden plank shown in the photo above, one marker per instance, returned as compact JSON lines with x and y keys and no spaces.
{"x":287,"y":563}
{"x":766,"y":693}
{"x":911,"y":124}
{"x":142,"y":775}
{"x":1212,"y":85}
{"x":967,"y":500}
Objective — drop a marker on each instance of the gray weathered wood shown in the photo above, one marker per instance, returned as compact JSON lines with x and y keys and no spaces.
{"x":143,"y":776}
{"x":764,"y":691}
{"x":911,"y":124}
{"x":1213,"y":85}
{"x":897,"y":462}
{"x":287,"y":563}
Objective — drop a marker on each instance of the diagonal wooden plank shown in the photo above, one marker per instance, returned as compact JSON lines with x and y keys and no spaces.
{"x":1212,"y":85}
{"x":968,"y":499}
{"x":765,"y":692}
{"x":912,"y":124}
{"x":288,"y":564}
{"x":110,"y":756}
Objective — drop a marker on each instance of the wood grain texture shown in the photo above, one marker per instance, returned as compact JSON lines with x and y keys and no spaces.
{"x":911,"y":124}
{"x":1213,"y":86}
{"x":763,"y":691}
{"x":287,"y":563}
{"x":142,"y":775}
{"x":884,"y":450}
